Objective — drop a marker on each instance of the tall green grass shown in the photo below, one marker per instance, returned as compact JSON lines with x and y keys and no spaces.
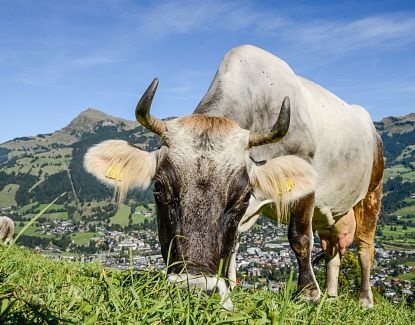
{"x":35,"y":289}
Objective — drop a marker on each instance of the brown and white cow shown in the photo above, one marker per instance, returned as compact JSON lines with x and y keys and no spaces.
{"x":262,"y":140}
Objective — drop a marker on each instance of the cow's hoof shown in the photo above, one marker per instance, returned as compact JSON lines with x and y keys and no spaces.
{"x":310,"y":294}
{"x":366,"y":302}
{"x":366,"y":299}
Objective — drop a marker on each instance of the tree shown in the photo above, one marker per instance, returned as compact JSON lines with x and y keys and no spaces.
{"x":349,"y":271}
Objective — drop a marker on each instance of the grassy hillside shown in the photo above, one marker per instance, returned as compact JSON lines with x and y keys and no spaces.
{"x":38,"y":168}
{"x":35,"y":289}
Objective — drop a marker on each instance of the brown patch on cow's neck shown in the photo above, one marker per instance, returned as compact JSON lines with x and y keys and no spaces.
{"x":378,"y":165}
{"x":212,"y":124}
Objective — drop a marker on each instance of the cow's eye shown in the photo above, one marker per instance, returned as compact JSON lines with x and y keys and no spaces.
{"x":158,"y":187}
{"x":247,"y":197}
{"x":160,"y":192}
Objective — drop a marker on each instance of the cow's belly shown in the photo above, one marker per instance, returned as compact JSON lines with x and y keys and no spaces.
{"x":336,"y":195}
{"x":344,"y":161}
{"x":343,"y":181}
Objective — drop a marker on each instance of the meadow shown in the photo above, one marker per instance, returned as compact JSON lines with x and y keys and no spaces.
{"x":35,"y":289}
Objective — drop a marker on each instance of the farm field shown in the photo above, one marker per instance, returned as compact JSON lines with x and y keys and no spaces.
{"x":396,"y":235}
{"x":8,"y":195}
{"x":83,"y":238}
{"x":121,"y":217}
{"x":409,"y":210}
{"x":33,"y":230}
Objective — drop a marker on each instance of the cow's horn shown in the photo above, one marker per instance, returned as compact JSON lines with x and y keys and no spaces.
{"x":278,"y":131}
{"x":142,"y":111}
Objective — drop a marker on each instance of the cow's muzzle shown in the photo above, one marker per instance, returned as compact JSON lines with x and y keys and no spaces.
{"x":207,"y":283}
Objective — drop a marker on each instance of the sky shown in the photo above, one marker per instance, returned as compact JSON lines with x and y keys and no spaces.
{"x":58,"y":58}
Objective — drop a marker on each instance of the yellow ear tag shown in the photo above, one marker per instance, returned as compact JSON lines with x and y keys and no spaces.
{"x":289,"y":186}
{"x":115,"y":171}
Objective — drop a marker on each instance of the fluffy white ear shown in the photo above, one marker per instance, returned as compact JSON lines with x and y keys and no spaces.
{"x":283,"y":180}
{"x":121,"y":165}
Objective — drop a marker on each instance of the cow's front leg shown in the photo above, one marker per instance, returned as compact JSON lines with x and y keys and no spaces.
{"x":300,"y":236}
{"x":332,"y":274}
{"x":232,"y":267}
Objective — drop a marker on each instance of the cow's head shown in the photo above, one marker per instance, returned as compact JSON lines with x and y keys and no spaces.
{"x":206,"y":186}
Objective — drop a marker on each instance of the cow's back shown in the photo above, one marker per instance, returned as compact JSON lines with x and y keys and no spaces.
{"x":338,"y":139}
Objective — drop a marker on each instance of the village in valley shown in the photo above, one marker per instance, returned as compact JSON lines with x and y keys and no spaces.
{"x":264,"y":259}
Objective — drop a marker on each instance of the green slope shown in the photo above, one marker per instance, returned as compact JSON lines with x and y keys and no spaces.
{"x":34,"y":289}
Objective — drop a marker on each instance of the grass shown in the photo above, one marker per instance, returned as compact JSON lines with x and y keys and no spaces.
{"x":407,"y":276}
{"x":56,"y":215}
{"x":138,"y":215}
{"x":32,"y":230}
{"x":54,"y":206}
{"x":395,"y":170}
{"x":140,"y":219}
{"x":7,"y":195}
{"x":398,"y":232}
{"x":121,"y":217}
{"x":83,"y":238}
{"x":406,"y":173}
{"x":34,"y":164}
{"x":34,"y":289}
{"x":403,"y":238}
{"x":406,"y":210}
{"x":24,"y":209}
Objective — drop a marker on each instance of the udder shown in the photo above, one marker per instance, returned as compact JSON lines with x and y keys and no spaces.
{"x":338,"y":236}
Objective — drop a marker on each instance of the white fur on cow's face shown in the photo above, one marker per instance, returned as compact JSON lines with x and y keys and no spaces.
{"x":218,"y":139}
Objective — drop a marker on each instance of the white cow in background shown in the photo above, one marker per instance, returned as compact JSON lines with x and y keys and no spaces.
{"x":6,"y":229}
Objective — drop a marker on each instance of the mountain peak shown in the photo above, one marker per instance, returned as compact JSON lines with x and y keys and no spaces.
{"x":93,"y":113}
{"x":91,"y":118}
{"x":397,"y":124}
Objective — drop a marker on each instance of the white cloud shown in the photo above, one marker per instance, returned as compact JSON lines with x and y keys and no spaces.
{"x":142,"y":26}
{"x":341,"y":37}
{"x":180,"y":17}
{"x":338,"y":36}
{"x":53,"y":70}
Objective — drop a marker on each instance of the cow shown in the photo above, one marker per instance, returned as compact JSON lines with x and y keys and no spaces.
{"x":261,"y":141}
{"x":6,"y":229}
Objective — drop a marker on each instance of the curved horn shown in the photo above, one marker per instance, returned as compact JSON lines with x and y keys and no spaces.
{"x":142,"y":111}
{"x":278,"y":131}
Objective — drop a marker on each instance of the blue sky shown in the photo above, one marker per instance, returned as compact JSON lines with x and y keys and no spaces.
{"x":59,"y":57}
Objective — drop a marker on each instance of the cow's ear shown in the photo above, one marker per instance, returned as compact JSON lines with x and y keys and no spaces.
{"x":252,"y":213}
{"x":120,"y":165}
{"x":283,"y":180}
